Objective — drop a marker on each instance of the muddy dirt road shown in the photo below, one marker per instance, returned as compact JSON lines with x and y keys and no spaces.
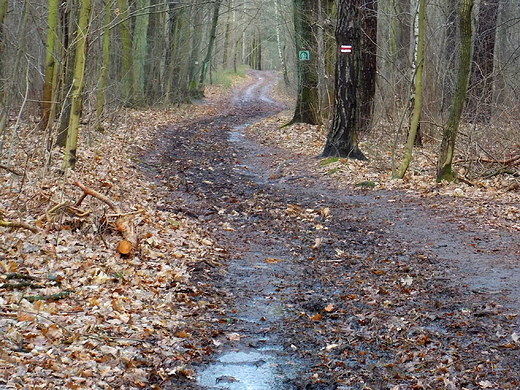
{"x":325,"y":287}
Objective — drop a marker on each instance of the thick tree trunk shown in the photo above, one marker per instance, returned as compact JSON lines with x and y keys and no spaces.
{"x":481,"y":82}
{"x":308,"y":97}
{"x":367,"y":88}
{"x":444,"y":170}
{"x":350,"y":71}
{"x":70,"y":157}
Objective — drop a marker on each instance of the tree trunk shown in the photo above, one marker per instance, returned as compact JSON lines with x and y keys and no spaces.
{"x":100,"y":103}
{"x":308,"y":97}
{"x":140,"y":48}
{"x":4,"y":5}
{"x":416,"y":99}
{"x":279,"y":44}
{"x":70,"y":157}
{"x":347,"y":120}
{"x":50,"y":64}
{"x":211,"y":44}
{"x":444,"y":170}
{"x":126,"y":52}
{"x":481,"y":82}
{"x":367,"y":88}
{"x":65,"y":74}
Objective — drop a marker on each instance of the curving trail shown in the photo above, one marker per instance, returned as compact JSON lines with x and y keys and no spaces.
{"x":329,"y":288}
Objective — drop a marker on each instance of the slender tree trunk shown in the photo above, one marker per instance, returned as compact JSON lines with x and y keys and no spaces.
{"x":170,"y":49}
{"x":445,"y":171}
{"x":279,"y":45}
{"x":416,"y":99}
{"x":308,"y":96}
{"x":347,"y":120}
{"x":4,"y":5}
{"x":126,"y":52}
{"x":70,"y":156}
{"x":211,"y":44}
{"x":193,"y":65}
{"x":66,"y":73}
{"x":227,"y":40}
{"x":140,"y":48}
{"x":100,"y":103}
{"x":50,"y":64}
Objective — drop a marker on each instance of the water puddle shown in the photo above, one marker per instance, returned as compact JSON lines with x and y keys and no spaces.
{"x":251,"y":370}
{"x":235,"y":135}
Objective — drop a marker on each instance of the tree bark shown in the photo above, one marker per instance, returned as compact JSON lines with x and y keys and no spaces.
{"x":349,"y":72}
{"x":444,"y":170}
{"x":417,"y":99}
{"x":211,"y":43}
{"x":308,"y":98}
{"x":126,"y":52}
{"x":100,"y":103}
{"x":481,"y":82}
{"x":50,"y":64}
{"x":139,"y":49}
{"x":367,"y":88}
{"x":70,"y":156}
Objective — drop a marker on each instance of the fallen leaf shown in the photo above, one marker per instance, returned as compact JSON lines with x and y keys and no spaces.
{"x":329,"y":308}
{"x":271,"y":260}
{"x":182,"y":334}
{"x":316,"y":317}
{"x":233,"y":336}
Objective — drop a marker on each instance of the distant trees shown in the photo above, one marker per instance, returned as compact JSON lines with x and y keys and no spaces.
{"x":154,"y":52}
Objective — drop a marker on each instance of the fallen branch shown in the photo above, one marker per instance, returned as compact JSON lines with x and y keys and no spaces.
{"x":17,"y":224}
{"x":501,"y":171}
{"x":510,"y":161}
{"x":123,"y":224}
{"x":52,"y":297}
{"x":8,"y":169}
{"x":100,"y":196}
{"x":19,"y":285}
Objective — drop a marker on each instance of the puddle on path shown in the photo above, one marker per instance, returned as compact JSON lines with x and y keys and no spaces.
{"x":244,"y":370}
{"x":236,"y":135}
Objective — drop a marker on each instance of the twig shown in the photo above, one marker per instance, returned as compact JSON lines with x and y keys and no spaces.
{"x":17,"y":224}
{"x":8,"y":169}
{"x":52,"y":297}
{"x":15,"y":275}
{"x":98,"y":195}
{"x":19,"y":285}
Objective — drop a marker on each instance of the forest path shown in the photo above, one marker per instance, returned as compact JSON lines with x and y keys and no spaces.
{"x":327,"y":287}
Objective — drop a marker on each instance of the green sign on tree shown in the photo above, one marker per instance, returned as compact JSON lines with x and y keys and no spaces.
{"x":304,"y":55}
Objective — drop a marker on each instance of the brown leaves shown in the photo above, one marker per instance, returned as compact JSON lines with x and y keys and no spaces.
{"x":118,"y":326}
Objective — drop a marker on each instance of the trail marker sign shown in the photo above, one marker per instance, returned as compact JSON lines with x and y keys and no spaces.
{"x":345,"y":48}
{"x":304,"y":55}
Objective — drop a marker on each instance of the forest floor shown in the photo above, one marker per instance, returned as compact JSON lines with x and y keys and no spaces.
{"x":259,"y":266}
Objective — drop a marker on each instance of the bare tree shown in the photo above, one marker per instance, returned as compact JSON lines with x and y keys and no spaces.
{"x":449,"y":136}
